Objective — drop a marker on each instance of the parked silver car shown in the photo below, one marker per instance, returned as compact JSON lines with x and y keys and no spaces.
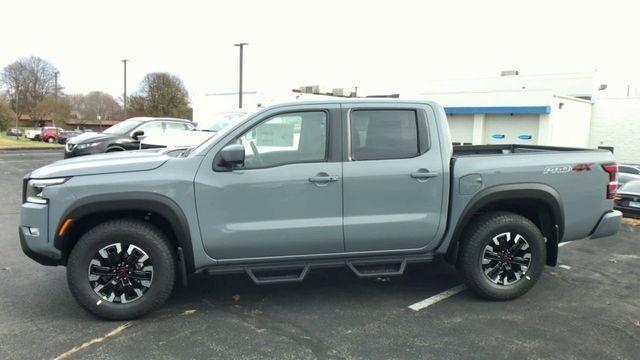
{"x":628,"y":172}
{"x":628,"y":199}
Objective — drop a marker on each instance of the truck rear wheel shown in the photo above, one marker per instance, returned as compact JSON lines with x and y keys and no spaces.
{"x":502,"y":256}
{"x":121,"y":269}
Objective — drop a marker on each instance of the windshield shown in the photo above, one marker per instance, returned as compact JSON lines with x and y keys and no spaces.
{"x":219,"y":121}
{"x":122,"y":127}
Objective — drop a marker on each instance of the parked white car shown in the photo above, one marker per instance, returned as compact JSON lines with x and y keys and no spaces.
{"x":187,"y":139}
{"x":33,"y":134}
{"x":628,"y":172}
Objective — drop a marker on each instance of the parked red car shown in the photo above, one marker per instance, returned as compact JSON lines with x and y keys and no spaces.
{"x":50,"y":134}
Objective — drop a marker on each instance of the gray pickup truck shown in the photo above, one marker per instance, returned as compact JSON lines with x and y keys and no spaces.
{"x":373,"y":185}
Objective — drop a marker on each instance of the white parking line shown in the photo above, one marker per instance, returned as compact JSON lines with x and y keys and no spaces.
{"x":436,"y":298}
{"x":564,"y":243}
{"x":566,"y":267}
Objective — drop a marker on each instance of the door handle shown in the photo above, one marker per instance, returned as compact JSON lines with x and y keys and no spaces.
{"x":423,"y":174}
{"x":323,"y":178}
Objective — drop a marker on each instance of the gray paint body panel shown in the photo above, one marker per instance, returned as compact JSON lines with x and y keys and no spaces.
{"x":276,"y":214}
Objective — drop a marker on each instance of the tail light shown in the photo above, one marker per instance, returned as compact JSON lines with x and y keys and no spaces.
{"x":612,"y":186}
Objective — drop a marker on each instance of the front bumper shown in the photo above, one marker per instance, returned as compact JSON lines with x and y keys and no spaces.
{"x":34,"y":235}
{"x":608,"y":225}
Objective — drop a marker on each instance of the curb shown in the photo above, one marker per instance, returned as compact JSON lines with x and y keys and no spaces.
{"x":31,"y":148}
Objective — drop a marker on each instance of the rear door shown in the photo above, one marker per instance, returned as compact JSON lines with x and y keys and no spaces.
{"x":392,"y":177}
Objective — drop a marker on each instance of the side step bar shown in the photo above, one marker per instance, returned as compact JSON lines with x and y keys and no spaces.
{"x":374,"y":268}
{"x":296,"y":272}
{"x":273,"y":275}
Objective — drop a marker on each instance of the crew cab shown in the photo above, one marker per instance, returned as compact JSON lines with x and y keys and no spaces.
{"x":373,"y":185}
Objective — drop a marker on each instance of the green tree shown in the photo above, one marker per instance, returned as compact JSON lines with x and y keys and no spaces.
{"x":163,"y":95}
{"x":7,"y":116}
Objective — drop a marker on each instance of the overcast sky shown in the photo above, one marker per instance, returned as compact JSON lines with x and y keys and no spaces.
{"x":390,"y":46}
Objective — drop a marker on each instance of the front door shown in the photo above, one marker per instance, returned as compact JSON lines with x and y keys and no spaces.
{"x":286,"y":199}
{"x":393,"y":178}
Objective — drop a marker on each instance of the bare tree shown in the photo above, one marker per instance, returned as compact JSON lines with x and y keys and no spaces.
{"x":56,"y":108}
{"x":29,"y":81}
{"x":94,"y":105}
{"x":161,"y":94}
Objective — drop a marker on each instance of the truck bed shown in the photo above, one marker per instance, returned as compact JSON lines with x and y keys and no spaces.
{"x":575,"y":175}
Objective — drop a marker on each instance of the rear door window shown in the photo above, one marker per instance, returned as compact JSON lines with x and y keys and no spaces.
{"x":384,"y":134}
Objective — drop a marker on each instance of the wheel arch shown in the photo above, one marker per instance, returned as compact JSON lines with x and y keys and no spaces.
{"x":115,"y":147}
{"x":539,"y":203}
{"x":157,"y":209}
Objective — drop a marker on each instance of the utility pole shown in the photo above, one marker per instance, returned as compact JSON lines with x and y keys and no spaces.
{"x":241,"y":46}
{"x":17,"y":110}
{"x":124,"y":97}
{"x":55,"y":97}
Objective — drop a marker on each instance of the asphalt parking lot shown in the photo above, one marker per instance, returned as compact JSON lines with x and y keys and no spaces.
{"x":587,"y":309}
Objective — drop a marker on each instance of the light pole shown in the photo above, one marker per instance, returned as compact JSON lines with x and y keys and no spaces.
{"x":124,"y":97}
{"x":241,"y":46}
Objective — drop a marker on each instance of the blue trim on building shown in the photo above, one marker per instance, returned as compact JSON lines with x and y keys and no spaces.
{"x":498,"y":110}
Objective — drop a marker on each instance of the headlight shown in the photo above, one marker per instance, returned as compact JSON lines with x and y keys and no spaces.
{"x":86,"y":146}
{"x":33,"y":192}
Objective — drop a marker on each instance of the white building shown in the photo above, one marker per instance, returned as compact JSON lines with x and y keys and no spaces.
{"x":536,"y":117}
{"x":537,"y":110}
{"x":552,"y":109}
{"x":209,"y":105}
{"x":615,"y":122}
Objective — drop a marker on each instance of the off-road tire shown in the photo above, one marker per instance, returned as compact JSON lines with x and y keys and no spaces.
{"x":130,"y":231}
{"x":481,"y":231}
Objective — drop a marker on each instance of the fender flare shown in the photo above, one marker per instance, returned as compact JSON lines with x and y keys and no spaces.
{"x":136,"y":201}
{"x":523,"y":191}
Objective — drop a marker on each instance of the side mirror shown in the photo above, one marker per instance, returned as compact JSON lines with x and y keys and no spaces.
{"x":230,"y":155}
{"x":136,"y":135}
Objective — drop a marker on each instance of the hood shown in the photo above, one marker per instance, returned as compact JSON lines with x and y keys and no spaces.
{"x":115,"y":162}
{"x":89,"y":137}
{"x":180,"y":139}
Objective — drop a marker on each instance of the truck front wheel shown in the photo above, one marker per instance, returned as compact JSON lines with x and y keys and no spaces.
{"x":502,"y":255}
{"x":121,"y":269}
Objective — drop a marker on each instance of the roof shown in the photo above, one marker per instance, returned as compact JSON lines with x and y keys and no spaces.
{"x":498,"y":109}
{"x":341,"y":100}
{"x":91,"y":122}
{"x":150,"y":118}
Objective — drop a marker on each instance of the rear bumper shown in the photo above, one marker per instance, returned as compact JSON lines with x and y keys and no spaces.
{"x":628,"y":211}
{"x":608,"y":225}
